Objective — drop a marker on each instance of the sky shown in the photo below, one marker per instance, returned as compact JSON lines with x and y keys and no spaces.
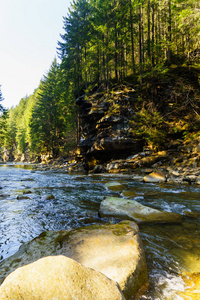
{"x":29,"y":31}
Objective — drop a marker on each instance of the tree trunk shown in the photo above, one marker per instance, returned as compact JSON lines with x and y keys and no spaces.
{"x":149,"y":34}
{"x":152,"y":33}
{"x":132,"y":41}
{"x":169,"y":54}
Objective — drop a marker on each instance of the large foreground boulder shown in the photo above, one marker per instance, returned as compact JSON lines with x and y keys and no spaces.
{"x":60,"y":278}
{"x":115,"y":250}
{"x":127,"y":209}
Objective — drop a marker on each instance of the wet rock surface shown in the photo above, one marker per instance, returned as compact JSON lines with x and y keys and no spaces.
{"x":61,"y":278}
{"x":132,"y":210}
{"x":175,"y":194}
{"x":174,"y":170}
{"x":114,"y":186}
{"x":114,"y":250}
{"x":155,"y":177}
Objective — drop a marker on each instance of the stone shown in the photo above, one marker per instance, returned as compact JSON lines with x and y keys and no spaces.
{"x":121,"y":165}
{"x":115,"y":250}
{"x":127,"y":209}
{"x":190,"y":178}
{"x":49,"y":197}
{"x":58,"y":277}
{"x":155,"y":177}
{"x":129,"y":194}
{"x":114,"y":186}
{"x":198,"y":180}
{"x":151,"y":160}
{"x":99,"y":169}
{"x":22,"y":197}
{"x":174,"y":173}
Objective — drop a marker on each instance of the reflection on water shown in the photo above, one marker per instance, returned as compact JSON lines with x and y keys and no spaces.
{"x":18,"y":165}
{"x":32,"y":202}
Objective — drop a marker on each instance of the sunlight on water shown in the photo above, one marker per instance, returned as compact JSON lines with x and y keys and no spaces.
{"x":33,"y":201}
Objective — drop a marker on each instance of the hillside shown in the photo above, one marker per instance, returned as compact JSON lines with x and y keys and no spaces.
{"x":160,"y":113}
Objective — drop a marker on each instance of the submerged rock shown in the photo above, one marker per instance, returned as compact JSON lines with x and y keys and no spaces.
{"x":22,"y":197}
{"x":49,"y":197}
{"x":126,"y":209}
{"x":129,"y":194}
{"x":114,"y":186}
{"x":115,"y":250}
{"x":58,"y":277}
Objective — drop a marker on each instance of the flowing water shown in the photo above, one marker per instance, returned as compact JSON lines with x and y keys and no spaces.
{"x":32,"y":201}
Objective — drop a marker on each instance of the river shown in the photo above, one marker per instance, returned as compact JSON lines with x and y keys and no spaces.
{"x":33,"y":201}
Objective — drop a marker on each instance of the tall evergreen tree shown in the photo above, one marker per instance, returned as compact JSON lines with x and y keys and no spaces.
{"x":3,"y":118}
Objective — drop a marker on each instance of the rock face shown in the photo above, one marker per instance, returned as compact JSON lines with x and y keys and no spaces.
{"x":61,"y":278}
{"x":132,"y":210}
{"x":114,"y":250}
{"x":104,"y":125}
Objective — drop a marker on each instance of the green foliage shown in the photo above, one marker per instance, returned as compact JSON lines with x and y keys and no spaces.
{"x":102,"y":38}
{"x":3,"y":121}
{"x":149,"y":126}
{"x":1,"y":99}
{"x":104,"y":41}
{"x":41,"y":123}
{"x":50,"y":120}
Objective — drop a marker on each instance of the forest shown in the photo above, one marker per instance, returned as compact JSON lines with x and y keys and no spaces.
{"x":105,"y":42}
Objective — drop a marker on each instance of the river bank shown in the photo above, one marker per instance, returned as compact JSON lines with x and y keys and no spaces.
{"x":178,"y":167}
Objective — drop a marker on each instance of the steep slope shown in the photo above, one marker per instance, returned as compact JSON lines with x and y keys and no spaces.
{"x":161,"y":112}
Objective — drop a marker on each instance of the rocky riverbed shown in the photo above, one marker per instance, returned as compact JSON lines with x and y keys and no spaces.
{"x":59,"y":199}
{"x":171,"y":167}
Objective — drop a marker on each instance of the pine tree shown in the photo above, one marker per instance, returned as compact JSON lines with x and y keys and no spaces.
{"x":3,"y":119}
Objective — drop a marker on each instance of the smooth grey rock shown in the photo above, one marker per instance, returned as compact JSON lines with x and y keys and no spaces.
{"x":127,"y":209}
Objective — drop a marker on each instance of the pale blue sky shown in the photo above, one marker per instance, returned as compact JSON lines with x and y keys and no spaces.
{"x":29,"y":31}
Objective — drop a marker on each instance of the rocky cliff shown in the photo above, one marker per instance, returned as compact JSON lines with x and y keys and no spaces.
{"x":161,"y":113}
{"x":104,"y":128}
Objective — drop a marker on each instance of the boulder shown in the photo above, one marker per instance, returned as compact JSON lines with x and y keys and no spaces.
{"x":114,"y":186}
{"x":155,"y":177}
{"x":127,"y":209}
{"x":115,"y":250}
{"x":198,"y":180}
{"x":121,"y":165}
{"x":149,"y":161}
{"x":190,"y":178}
{"x":58,"y":277}
{"x":99,"y":169}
